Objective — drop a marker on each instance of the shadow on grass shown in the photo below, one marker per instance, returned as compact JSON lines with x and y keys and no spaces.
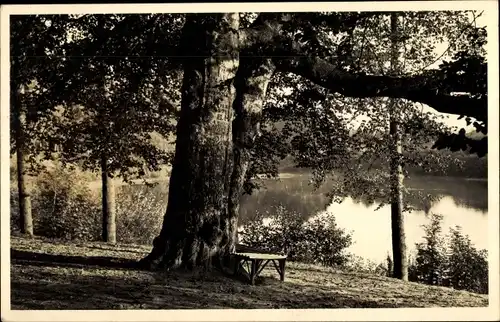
{"x":39,"y":259}
{"x":129,"y":249}
{"x":54,"y":282}
{"x":60,"y":282}
{"x":54,"y":291}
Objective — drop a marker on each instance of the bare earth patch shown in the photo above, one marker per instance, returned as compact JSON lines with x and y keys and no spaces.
{"x":56,"y":275}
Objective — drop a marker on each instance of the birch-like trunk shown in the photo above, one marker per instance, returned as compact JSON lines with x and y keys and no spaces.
{"x":400,"y":269}
{"x":25,"y":216}
{"x":108,"y":204}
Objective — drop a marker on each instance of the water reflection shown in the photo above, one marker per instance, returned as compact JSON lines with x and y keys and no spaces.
{"x":372,"y":232}
{"x":461,"y":201}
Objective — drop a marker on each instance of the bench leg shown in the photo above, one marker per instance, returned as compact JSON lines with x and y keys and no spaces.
{"x":282,"y":269}
{"x":253,"y":272}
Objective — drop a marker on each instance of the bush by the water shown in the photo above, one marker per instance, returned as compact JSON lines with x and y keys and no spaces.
{"x":64,"y":206}
{"x":450,"y":260}
{"x":317,"y":241}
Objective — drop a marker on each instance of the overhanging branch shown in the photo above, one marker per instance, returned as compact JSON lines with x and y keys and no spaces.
{"x":266,"y":37}
{"x":420,"y":88}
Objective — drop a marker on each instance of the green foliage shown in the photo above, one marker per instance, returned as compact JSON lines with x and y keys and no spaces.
{"x":124,"y":70}
{"x":452,"y":261}
{"x":362,"y":265}
{"x":430,"y":262}
{"x":63,"y":206}
{"x":315,"y":126}
{"x":467,"y":266}
{"x":14,"y":209}
{"x":139,"y":211}
{"x":329,"y":133}
{"x":35,"y":42}
{"x":88,"y":98}
{"x":118,"y":81}
{"x":317,"y":241}
{"x":456,"y":142}
{"x":469,"y":60}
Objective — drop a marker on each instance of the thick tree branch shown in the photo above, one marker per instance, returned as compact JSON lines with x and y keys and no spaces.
{"x":266,"y":37}
{"x":421,"y":88}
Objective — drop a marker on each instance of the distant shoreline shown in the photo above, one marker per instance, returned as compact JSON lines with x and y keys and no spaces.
{"x":284,"y":175}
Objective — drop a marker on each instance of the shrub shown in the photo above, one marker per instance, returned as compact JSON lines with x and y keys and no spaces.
{"x":317,"y":241}
{"x":325,"y":242}
{"x":280,"y":231}
{"x":139,"y":211}
{"x":362,"y":265}
{"x":452,"y":261}
{"x":64,"y":206}
{"x":14,"y":209}
{"x":467,"y":267}
{"x":430,"y":262}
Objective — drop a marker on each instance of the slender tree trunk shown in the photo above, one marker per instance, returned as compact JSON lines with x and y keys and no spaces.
{"x":108,"y":204}
{"x":25,"y":216}
{"x":397,"y":217}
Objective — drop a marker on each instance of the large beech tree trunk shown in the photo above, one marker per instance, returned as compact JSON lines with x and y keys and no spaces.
{"x":196,"y":222}
{"x":25,"y":216}
{"x":212,"y":148}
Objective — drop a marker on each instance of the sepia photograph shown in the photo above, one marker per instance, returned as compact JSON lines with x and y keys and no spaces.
{"x":250,"y":161}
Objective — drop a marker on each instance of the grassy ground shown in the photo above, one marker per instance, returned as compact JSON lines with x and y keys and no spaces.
{"x":58,"y":275}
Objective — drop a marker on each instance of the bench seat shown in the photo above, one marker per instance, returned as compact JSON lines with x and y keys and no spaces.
{"x":257,"y":260}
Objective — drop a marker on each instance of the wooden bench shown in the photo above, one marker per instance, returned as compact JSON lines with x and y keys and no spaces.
{"x":258,"y":259}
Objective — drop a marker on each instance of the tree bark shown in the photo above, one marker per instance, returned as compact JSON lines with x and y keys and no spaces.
{"x":196,"y":223}
{"x":108,"y":204}
{"x":397,"y":217}
{"x":254,"y":76}
{"x":25,"y":216}
{"x":212,"y":151}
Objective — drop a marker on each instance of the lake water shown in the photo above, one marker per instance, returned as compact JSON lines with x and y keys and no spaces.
{"x":371,"y":229}
{"x":462,"y":202}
